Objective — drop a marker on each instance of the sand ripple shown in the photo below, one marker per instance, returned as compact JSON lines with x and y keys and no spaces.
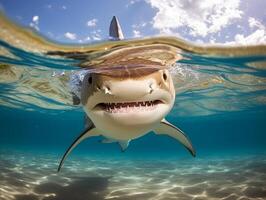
{"x":34,"y":177}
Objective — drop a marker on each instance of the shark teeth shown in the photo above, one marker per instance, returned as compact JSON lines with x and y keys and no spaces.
{"x":126,"y":107}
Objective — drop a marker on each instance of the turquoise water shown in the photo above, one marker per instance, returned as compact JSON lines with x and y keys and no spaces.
{"x":220,"y":104}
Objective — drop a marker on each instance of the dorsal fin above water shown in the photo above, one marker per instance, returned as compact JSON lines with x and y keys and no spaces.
{"x":115,"y":31}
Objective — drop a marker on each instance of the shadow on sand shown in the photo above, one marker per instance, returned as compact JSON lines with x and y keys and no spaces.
{"x":90,"y":187}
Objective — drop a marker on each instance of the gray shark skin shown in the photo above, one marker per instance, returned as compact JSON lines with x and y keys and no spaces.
{"x":115,"y":31}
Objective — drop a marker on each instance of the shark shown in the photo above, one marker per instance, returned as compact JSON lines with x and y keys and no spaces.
{"x":126,"y":103}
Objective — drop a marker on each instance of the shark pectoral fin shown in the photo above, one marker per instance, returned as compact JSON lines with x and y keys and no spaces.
{"x":89,"y":132}
{"x":168,"y":129}
{"x":87,"y":122}
{"x":123,"y":144}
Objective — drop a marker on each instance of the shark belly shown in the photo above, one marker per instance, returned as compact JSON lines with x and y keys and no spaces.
{"x":126,"y":126}
{"x":124,"y":133}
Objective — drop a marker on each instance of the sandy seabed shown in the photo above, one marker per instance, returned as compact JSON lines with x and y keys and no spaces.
{"x":34,"y":177}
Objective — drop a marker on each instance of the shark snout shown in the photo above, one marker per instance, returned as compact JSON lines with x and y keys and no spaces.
{"x":129,"y":89}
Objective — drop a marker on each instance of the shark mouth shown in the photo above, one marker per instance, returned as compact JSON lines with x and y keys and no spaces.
{"x":127,"y":107}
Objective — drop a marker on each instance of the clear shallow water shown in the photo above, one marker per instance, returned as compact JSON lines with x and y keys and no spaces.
{"x":220,"y":104}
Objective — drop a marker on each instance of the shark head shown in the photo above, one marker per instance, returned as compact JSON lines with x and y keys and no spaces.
{"x":130,"y":103}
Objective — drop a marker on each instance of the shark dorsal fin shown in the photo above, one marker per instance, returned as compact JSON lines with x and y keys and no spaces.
{"x":115,"y":31}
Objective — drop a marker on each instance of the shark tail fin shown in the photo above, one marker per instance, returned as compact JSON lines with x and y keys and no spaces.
{"x":115,"y":31}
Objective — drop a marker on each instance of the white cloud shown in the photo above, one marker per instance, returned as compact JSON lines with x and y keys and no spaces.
{"x":200,"y":16}
{"x":57,"y":7}
{"x":92,"y":22}
{"x":71,"y":36}
{"x":140,"y":25}
{"x":35,"y":22}
{"x":136,"y":33}
{"x":254,"y":23}
{"x":95,"y":35}
{"x":35,"y":18}
{"x":84,"y":40}
{"x":132,"y":2}
{"x":137,"y":28}
{"x":257,"y":37}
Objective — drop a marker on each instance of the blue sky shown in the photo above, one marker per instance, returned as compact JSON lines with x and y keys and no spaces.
{"x":201,"y":21}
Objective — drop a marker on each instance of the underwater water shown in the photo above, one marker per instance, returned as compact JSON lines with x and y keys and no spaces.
{"x":220,"y":104}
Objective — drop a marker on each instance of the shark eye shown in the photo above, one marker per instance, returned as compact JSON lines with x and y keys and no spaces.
{"x":90,"y":80}
{"x":164,"y":76}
